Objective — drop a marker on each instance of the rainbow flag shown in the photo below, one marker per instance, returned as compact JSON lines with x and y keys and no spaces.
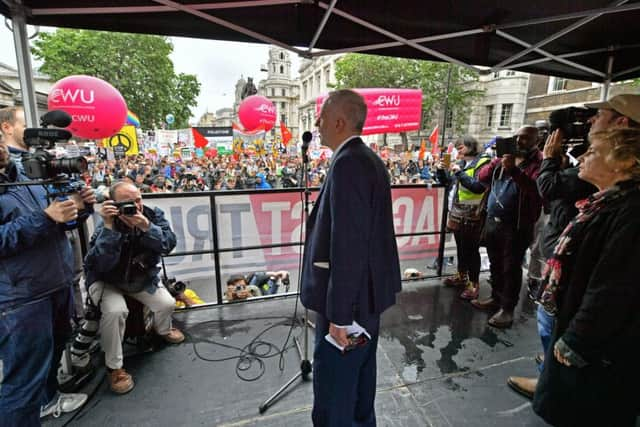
{"x":132,"y":119}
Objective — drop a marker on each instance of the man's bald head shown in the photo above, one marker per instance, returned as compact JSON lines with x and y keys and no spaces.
{"x":526,"y":139}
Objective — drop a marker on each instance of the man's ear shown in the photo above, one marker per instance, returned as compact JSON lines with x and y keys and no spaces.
{"x":622,"y":121}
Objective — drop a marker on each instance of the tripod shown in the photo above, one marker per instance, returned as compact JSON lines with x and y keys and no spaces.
{"x":305,"y":364}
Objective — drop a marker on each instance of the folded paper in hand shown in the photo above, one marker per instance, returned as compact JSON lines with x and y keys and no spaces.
{"x":353,"y":329}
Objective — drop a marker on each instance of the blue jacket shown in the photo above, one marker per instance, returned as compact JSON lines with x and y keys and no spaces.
{"x":110,"y":250}
{"x":351,"y":269}
{"x":35,"y":255}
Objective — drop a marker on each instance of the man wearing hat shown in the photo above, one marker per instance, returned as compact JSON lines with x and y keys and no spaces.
{"x":621,"y":111}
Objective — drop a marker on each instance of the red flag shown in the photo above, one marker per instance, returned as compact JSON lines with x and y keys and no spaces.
{"x":423,"y":148}
{"x":286,"y":134}
{"x":433,"y":138}
{"x":199,"y":140}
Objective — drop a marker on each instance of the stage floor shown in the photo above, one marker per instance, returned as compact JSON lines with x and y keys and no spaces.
{"x":439,"y":364}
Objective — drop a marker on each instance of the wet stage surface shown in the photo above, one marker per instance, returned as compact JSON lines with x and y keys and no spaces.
{"x":439,"y":364}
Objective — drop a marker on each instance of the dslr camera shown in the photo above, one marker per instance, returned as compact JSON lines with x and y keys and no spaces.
{"x":126,"y":208}
{"x":175,"y":287}
{"x":40,"y":163}
{"x":573,"y":122}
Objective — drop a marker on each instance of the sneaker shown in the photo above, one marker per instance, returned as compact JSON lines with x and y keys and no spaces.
{"x":471,"y":291}
{"x":63,"y":403}
{"x":174,"y":336}
{"x":120,"y":381}
{"x":458,"y":279}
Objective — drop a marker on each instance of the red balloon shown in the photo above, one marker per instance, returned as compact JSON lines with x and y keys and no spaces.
{"x":255,"y":111}
{"x":211,"y":153}
{"x":96,"y":108}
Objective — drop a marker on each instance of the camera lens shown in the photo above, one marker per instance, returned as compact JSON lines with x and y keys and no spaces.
{"x":68,"y":166}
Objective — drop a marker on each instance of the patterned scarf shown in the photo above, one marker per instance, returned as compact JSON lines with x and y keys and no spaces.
{"x":570,"y":240}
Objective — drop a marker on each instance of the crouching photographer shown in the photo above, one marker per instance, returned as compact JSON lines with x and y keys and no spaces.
{"x":123,"y":259}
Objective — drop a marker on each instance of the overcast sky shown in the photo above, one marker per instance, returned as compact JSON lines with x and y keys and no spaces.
{"x":217,"y":64}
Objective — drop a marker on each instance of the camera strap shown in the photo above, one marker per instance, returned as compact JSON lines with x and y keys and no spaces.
{"x":164,"y":270}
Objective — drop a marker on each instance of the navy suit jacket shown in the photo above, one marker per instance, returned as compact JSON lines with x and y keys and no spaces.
{"x":351,"y":269}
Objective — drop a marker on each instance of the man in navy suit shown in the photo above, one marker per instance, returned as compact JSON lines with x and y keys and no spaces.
{"x":351,"y":271}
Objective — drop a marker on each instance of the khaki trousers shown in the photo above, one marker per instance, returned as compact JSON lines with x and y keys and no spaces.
{"x":114,"y":316}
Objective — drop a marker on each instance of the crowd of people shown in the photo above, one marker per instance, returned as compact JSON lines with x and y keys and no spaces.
{"x":234,"y":172}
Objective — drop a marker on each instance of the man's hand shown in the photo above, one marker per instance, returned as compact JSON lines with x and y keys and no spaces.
{"x":62,"y":211}
{"x":88,"y":195}
{"x":455,"y":168}
{"x":108,"y":213}
{"x":508,"y":162}
{"x":138,"y":221}
{"x":553,"y":146}
{"x":559,"y":357}
{"x":339,"y":334}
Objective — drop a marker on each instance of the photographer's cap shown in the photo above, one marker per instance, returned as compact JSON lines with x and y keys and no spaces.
{"x":627,"y":105}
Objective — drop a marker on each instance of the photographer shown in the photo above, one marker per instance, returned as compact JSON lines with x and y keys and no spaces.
{"x":256,"y":284}
{"x":123,"y":259}
{"x":513,"y":207}
{"x":35,"y":295}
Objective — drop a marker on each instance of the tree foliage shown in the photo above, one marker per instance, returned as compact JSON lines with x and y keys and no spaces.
{"x":371,"y":71}
{"x":137,"y":65}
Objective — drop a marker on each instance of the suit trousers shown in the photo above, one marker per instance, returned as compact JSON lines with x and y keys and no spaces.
{"x":114,"y":316}
{"x":506,"y":246}
{"x":344,"y":384}
{"x":32,"y":338}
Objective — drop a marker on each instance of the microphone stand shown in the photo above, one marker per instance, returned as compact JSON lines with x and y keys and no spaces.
{"x":305,"y":364}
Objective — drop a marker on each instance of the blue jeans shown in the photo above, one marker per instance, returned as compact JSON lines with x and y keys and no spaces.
{"x":32,"y":337}
{"x":545,"y":330}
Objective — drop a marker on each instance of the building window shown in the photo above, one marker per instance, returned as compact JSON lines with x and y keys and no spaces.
{"x":283,"y":118}
{"x":318,"y":85}
{"x":327,"y":75}
{"x":496,"y":74}
{"x":305,"y":95}
{"x":505,"y":115}
{"x":273,"y":91}
{"x":274,"y":68}
{"x":281,"y":55}
{"x":557,"y":84}
{"x":284,"y":92}
{"x":448,"y":123}
{"x":281,"y":69}
{"x":489,"y":115}
{"x":510,"y":73}
{"x":283,"y":106}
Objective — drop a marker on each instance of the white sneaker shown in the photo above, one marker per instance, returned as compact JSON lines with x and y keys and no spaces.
{"x":63,"y":403}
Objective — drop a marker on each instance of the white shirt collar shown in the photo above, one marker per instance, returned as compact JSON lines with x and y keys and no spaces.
{"x":343,"y":143}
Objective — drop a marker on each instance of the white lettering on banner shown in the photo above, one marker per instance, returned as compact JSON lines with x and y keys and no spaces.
{"x":387,"y":100}
{"x":273,"y":218}
{"x":266,"y":109}
{"x":68,"y":95}
{"x":276,"y":209}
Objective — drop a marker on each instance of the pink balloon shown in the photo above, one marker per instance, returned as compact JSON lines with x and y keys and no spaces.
{"x":96,"y":108}
{"x":257,"y":110}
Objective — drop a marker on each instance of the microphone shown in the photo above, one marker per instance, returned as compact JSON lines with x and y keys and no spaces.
{"x":306,"y":140}
{"x":57,"y":118}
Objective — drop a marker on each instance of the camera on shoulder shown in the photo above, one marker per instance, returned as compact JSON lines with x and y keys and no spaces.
{"x":573,"y":122}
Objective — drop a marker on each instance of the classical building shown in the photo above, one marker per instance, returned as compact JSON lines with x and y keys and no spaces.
{"x":500,"y":111}
{"x":206,"y":119}
{"x":547,"y":94}
{"x":224,"y":117}
{"x":316,"y":77}
{"x":281,"y":89}
{"x":10,"y":88}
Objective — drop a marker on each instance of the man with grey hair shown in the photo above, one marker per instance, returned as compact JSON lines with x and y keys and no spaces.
{"x":351,"y":270}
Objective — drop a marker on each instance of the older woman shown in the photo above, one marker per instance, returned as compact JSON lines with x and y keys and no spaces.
{"x":591,"y":371}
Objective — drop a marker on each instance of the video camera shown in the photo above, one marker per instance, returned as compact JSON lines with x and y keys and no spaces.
{"x":573,"y":122}
{"x":39,"y":163}
{"x":506,"y":146}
